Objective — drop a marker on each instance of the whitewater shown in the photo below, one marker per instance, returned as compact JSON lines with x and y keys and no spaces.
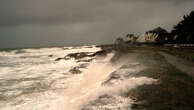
{"x":32,"y":79}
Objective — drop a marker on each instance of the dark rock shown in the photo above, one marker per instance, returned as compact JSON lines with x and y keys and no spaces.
{"x":65,"y":58}
{"x":75,"y":70}
{"x":50,"y":55}
{"x":88,"y":60}
{"x":78,"y":55}
{"x":20,"y":51}
{"x":137,"y":106}
{"x":82,"y":55}
{"x":100,"y":53}
{"x":58,"y":59}
{"x":65,"y":48}
{"x":83,"y":65}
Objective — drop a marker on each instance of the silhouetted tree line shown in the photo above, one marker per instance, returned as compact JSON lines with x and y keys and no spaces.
{"x":183,"y":32}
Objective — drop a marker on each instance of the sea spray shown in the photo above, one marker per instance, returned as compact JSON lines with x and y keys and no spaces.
{"x":93,"y":76}
{"x":32,"y":79}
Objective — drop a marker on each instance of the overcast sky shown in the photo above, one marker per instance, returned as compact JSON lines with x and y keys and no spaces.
{"x":34,"y":23}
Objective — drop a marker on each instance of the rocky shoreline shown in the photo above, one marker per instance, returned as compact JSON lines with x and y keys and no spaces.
{"x":171,"y":90}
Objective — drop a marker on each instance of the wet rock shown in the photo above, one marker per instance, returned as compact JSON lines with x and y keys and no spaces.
{"x":100,"y":53}
{"x":83,"y":55}
{"x":89,"y":47}
{"x":108,"y":102}
{"x":50,"y":56}
{"x":83,"y":65}
{"x":65,"y":58}
{"x":20,"y":51}
{"x":103,"y":100}
{"x":88,"y":60}
{"x":65,"y":48}
{"x":79,"y":55}
{"x":75,"y":70}
{"x":58,"y":59}
{"x":137,"y":106}
{"x":99,"y":102}
{"x":75,"y":55}
{"x":132,"y":65}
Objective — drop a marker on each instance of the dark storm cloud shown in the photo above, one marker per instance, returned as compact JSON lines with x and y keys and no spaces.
{"x":68,"y":22}
{"x":48,"y":12}
{"x":61,"y":11}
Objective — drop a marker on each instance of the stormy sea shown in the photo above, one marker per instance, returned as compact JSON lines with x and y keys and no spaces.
{"x":67,"y":78}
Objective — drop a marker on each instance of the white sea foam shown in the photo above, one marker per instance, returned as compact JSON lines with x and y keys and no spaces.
{"x":31,"y":80}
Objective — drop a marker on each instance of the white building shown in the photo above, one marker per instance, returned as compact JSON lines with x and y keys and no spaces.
{"x":147,"y":38}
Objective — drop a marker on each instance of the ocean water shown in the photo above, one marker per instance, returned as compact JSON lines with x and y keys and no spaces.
{"x":32,"y":79}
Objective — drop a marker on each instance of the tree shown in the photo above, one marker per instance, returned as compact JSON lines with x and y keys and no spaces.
{"x":183,"y":32}
{"x":162,"y":34}
{"x":130,"y":36}
{"x":119,"y":41}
